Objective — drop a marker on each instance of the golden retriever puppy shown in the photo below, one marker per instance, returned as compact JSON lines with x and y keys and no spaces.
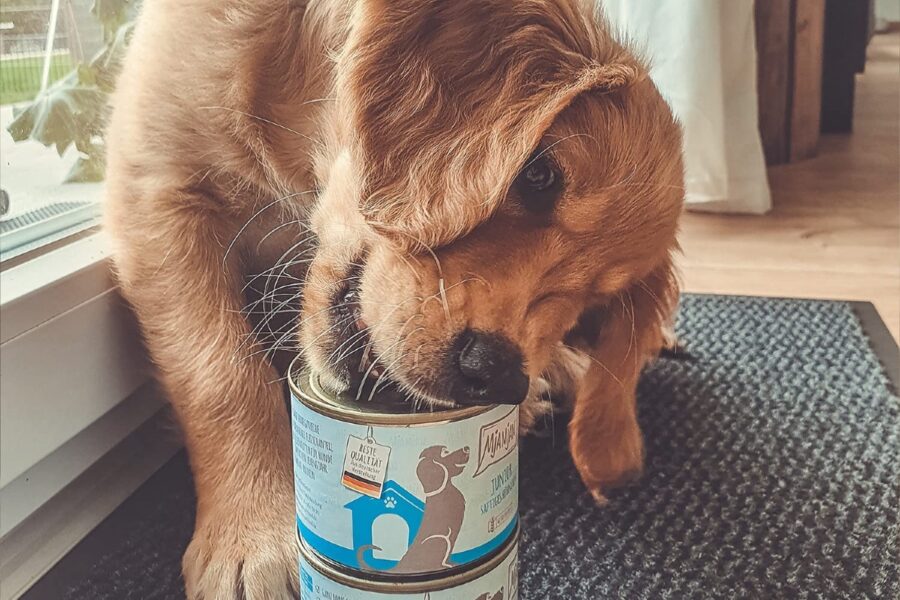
{"x":472,"y":200}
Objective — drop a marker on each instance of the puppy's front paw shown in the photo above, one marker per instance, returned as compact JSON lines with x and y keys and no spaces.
{"x":609,"y":461}
{"x":241,"y":552}
{"x":532,"y":413}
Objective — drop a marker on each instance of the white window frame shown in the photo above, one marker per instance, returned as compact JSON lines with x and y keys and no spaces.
{"x":70,"y":352}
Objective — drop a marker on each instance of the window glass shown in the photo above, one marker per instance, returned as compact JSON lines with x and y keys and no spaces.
{"x":58,"y":65}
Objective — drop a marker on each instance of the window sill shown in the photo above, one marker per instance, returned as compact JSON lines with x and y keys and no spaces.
{"x":70,"y":351}
{"x":53,"y":282}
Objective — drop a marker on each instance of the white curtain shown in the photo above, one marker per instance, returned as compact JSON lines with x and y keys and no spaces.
{"x":703,"y":59}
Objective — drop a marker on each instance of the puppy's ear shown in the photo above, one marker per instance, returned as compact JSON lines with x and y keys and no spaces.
{"x":445,"y":100}
{"x":432,"y":475}
{"x":604,"y":436}
{"x":612,"y":77}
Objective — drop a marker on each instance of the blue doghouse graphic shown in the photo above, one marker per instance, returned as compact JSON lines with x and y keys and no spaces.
{"x":365,"y":511}
{"x":394,"y":500}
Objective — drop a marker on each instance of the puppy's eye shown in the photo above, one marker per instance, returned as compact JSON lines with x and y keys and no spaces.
{"x":539,"y":175}
{"x":539,"y":183}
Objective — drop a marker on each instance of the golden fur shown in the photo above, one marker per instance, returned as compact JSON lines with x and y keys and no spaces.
{"x":267,"y":146}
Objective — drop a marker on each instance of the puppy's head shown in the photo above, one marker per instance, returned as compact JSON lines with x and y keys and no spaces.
{"x":501,"y":169}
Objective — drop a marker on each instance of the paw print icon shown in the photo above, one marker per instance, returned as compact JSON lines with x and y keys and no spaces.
{"x":390,"y":501}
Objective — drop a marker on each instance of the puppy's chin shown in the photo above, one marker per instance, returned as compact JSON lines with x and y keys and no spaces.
{"x":361,"y":376}
{"x":385,"y":388}
{"x":331,"y":381}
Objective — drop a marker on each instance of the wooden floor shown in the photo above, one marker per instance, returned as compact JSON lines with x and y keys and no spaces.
{"x":834,"y":231}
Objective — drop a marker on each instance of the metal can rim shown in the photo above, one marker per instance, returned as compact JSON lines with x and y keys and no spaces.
{"x":434,"y":583}
{"x":317,"y":398}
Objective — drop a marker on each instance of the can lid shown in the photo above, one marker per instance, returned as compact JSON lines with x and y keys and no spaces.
{"x":413,"y":584}
{"x":376,"y":409}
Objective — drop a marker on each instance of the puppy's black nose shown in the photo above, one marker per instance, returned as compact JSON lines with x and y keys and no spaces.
{"x":486,"y":368}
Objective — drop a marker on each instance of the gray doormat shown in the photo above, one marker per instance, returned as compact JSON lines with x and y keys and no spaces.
{"x":773,"y":471}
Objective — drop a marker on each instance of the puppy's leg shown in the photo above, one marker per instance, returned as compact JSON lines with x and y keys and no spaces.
{"x":605,"y":438}
{"x":228,"y":402}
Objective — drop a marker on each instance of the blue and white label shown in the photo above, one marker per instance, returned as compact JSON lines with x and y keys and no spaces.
{"x":415,"y":499}
{"x":499,"y":583}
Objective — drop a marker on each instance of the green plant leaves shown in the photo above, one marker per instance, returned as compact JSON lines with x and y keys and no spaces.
{"x":68,"y":112}
{"x":74,"y":109}
{"x":106,"y":64}
{"x":86,"y":169}
{"x":112,"y":14}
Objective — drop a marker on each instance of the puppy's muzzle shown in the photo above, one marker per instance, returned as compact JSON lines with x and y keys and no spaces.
{"x":486,"y":368}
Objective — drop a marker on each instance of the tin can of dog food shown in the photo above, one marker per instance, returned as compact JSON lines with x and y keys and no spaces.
{"x":382,"y":489}
{"x":495,"y":578}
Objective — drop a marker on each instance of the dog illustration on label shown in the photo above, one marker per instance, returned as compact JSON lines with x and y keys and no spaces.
{"x":442,"y":513}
